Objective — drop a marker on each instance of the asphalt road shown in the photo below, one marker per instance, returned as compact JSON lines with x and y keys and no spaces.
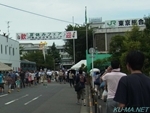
{"x":53,"y":98}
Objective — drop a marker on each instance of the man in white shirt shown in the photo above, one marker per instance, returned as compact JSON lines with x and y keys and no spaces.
{"x":49,"y":74}
{"x":112,"y":79}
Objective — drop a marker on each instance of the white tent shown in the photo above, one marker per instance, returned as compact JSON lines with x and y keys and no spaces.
{"x":4,"y":67}
{"x":78,"y":65}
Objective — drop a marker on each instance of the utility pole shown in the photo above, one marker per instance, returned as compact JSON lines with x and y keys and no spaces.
{"x":73,"y":41}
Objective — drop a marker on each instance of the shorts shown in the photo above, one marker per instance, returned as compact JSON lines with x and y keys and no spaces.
{"x":81,"y":94}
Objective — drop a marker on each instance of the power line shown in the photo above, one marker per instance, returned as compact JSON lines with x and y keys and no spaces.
{"x":36,"y":14}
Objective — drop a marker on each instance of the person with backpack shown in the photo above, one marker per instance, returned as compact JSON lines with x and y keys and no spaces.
{"x":80,"y":83}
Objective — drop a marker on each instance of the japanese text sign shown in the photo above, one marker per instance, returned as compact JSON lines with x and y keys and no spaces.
{"x":47,"y":35}
{"x":124,"y":23}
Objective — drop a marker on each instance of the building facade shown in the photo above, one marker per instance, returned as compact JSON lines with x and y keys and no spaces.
{"x":104,"y":31}
{"x":66,"y":60}
{"x":9,"y":52}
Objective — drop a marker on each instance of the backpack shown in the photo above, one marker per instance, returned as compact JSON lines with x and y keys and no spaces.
{"x":97,"y":81}
{"x":81,"y":78}
{"x":79,"y":85}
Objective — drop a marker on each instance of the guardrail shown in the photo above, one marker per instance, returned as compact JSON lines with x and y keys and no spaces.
{"x":94,"y":96}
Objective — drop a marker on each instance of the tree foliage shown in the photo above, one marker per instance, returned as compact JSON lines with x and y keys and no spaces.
{"x":101,"y":63}
{"x":80,"y":42}
{"x":133,"y":40}
{"x":55,"y":53}
{"x":39,"y":59}
{"x":52,"y":58}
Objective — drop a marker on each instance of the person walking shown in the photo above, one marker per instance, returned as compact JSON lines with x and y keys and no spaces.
{"x":71,"y":78}
{"x":18,"y":81}
{"x":134,"y":90}
{"x":22,"y":79}
{"x":112,"y":77}
{"x":1,"y":83}
{"x":61,"y":74}
{"x":80,"y":79}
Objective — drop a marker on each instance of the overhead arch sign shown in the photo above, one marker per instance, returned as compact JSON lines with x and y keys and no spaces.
{"x":47,"y":35}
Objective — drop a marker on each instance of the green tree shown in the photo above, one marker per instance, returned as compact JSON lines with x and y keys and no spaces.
{"x":116,"y":46}
{"x":55,"y":53}
{"x":133,"y":40}
{"x":21,"y":48}
{"x":80,"y":42}
{"x":121,"y":45}
{"x":39,"y":59}
{"x":101,"y":63}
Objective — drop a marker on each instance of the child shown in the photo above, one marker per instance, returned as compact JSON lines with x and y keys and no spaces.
{"x":18,"y":83}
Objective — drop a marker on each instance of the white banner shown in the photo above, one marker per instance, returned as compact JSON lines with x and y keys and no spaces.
{"x":47,"y":35}
{"x":124,"y":23}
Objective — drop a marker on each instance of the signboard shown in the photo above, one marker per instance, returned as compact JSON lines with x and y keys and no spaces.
{"x":124,"y":23}
{"x":95,"y":20}
{"x":91,"y":50}
{"x":47,"y":35}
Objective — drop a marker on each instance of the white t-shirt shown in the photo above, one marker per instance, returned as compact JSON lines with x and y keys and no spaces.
{"x":112,"y":80}
{"x":32,"y":75}
{"x":41,"y":74}
{"x":49,"y":73}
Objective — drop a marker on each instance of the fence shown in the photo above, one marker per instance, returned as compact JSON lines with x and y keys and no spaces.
{"x":95,"y":105}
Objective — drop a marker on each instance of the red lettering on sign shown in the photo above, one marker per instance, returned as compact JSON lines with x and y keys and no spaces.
{"x":23,"y":36}
{"x":68,"y":35}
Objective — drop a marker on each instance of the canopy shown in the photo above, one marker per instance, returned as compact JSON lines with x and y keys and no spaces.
{"x":4,"y":67}
{"x":78,"y":65}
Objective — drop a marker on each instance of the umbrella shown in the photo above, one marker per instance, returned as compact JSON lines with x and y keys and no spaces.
{"x":95,"y":69}
{"x":4,"y":67}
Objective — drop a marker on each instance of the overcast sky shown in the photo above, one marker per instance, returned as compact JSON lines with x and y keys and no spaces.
{"x":64,"y":10}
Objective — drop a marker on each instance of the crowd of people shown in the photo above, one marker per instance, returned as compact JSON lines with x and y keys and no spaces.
{"x":18,"y":80}
{"x":125,"y":93}
{"x":121,"y":90}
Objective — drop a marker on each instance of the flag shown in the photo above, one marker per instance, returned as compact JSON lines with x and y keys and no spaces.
{"x":85,"y":16}
{"x":44,"y":53}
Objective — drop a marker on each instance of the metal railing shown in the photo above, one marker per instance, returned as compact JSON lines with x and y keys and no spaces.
{"x":94,"y":96}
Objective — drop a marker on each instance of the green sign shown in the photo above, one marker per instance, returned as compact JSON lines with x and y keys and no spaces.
{"x":112,"y":23}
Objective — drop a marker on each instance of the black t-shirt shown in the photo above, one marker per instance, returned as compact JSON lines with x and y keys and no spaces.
{"x":134,"y":91}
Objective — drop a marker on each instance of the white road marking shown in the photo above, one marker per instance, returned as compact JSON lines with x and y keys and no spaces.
{"x":32,"y":100}
{"x":16,"y":99}
{"x":3,"y":95}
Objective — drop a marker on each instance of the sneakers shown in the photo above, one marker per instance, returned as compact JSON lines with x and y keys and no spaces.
{"x":84,"y":104}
